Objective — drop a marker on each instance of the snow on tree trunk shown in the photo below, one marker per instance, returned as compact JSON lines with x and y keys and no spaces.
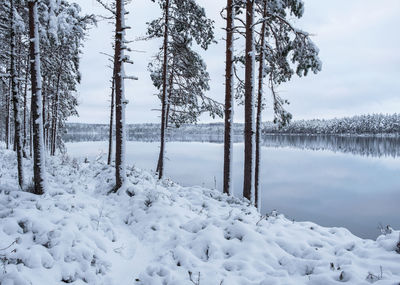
{"x":25,"y":104}
{"x":249,"y":140}
{"x":110,"y":132}
{"x":261,"y":73}
{"x":30,"y":134}
{"x":15,"y":97}
{"x":160,"y":166}
{"x":55,"y":116}
{"x":44,"y":93}
{"x":228,"y":140}
{"x":47,"y":123}
{"x":120,"y":167}
{"x":39,"y":174}
{"x":7,"y":93}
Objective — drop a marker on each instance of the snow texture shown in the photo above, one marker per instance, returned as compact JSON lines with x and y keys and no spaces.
{"x":161,"y":233}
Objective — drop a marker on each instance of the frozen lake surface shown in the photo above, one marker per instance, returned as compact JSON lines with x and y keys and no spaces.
{"x":345,"y":183}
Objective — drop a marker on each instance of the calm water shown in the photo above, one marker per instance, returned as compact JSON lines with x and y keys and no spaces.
{"x":333,"y":181}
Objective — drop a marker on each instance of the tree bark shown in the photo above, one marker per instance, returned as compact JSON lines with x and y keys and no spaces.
{"x":7,"y":138}
{"x":55,"y":117}
{"x":44,"y":92}
{"x":30,"y":134}
{"x":110,"y":134}
{"x":25,"y":104}
{"x":259,"y":110}
{"x":39,"y":174}
{"x":4,"y":92}
{"x":164,"y":103}
{"x":170,"y":88}
{"x":120,"y":168}
{"x":249,"y":140}
{"x":228,"y":140}
{"x":18,"y":67}
{"x":47,"y":122}
{"x":169,"y":93}
{"x":15,"y":98}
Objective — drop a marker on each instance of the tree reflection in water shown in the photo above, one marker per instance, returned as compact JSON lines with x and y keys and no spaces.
{"x":373,"y":146}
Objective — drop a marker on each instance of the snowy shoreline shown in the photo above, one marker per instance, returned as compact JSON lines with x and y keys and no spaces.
{"x":163,"y":233}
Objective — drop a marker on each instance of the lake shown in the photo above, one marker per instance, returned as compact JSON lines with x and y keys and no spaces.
{"x":351,"y":182}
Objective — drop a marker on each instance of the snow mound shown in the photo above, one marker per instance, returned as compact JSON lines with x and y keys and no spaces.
{"x":161,"y":233}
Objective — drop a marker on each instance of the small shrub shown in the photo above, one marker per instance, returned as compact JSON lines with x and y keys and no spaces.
{"x":309,"y":270}
{"x":195,"y":282}
{"x":150,"y":199}
{"x":30,"y":188}
{"x":130,"y":192}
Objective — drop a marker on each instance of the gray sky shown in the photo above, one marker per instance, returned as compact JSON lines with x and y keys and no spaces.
{"x":359,"y":47}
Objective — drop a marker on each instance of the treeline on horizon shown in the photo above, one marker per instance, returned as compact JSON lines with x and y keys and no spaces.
{"x":373,"y":124}
{"x":357,"y":125}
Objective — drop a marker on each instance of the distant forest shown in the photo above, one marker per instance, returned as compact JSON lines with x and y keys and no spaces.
{"x":375,"y":124}
{"x":357,"y":125}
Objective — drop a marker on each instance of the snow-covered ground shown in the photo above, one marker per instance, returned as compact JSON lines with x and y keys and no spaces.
{"x":162,"y":233}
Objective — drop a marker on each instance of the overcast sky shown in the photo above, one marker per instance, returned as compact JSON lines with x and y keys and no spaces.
{"x":359,"y":47}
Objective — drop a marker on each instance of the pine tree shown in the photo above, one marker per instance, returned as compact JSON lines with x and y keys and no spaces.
{"x":110,"y":8}
{"x":39,"y":173}
{"x":177,"y":66}
{"x":188,"y":80}
{"x":120,"y":100}
{"x":65,"y":31}
{"x":15,"y":95}
{"x":5,"y":68}
{"x":260,"y":91}
{"x":229,"y":98}
{"x":110,"y":132}
{"x":117,"y":9}
{"x":249,"y":127}
{"x":281,"y":49}
{"x":25,"y":107}
{"x":164,"y":98}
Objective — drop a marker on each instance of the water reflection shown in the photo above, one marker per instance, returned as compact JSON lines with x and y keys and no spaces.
{"x":365,"y":146}
{"x":354,"y":184}
{"x":331,"y":189}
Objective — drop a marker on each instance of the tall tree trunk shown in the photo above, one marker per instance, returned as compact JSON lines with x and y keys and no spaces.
{"x":55,"y":116}
{"x":25,"y":104}
{"x":4,"y":92}
{"x":170,"y":88}
{"x":120,"y":101}
{"x":47,"y":125}
{"x":169,"y":92}
{"x":15,"y":98}
{"x":249,"y":140}
{"x":229,"y":100}
{"x":259,"y":110}
{"x":167,"y":115}
{"x":39,"y":174}
{"x":30,"y":134}
{"x":44,"y":92}
{"x":164,"y":103}
{"x":110,"y":134}
{"x":17,"y":65}
{"x":7,"y":139}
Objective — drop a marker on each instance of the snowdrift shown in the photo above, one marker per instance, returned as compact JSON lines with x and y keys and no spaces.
{"x":161,"y":233}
